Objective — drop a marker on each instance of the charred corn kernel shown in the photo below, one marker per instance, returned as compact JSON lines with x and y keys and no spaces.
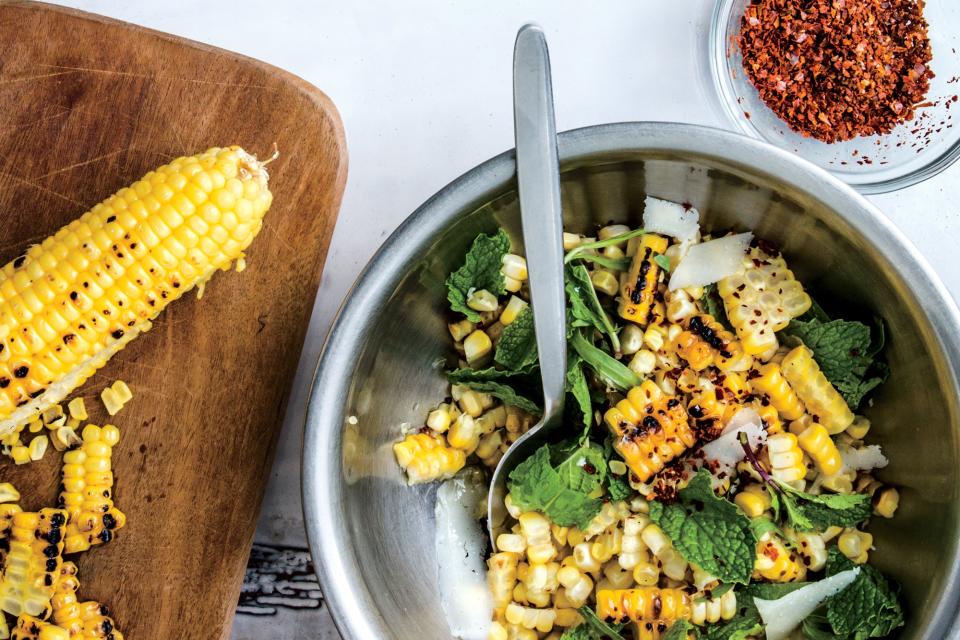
{"x":460,"y":330}
{"x":38,"y":447}
{"x":536,"y":531}
{"x":632,"y":548}
{"x":771,"y":419}
{"x":426,"y":457}
{"x":631,"y":339}
{"x":97,"y":625}
{"x":643,"y":605}
{"x":786,"y":458}
{"x":855,"y":545}
{"x":711,"y":610}
{"x":709,"y":413}
{"x":529,"y":618}
{"x":571,"y":241}
{"x":8,"y":493}
{"x":502,"y":577}
{"x":776,"y":563}
{"x":811,"y":548}
{"x":512,"y":310}
{"x":604,"y":281}
{"x":772,"y":384}
{"x":35,"y":426}
{"x":482,"y":300}
{"x":32,"y":628}
{"x":7,"y":511}
{"x":88,"y":490}
{"x":643,"y":362}
{"x":81,"y":295}
{"x":859,"y":428}
{"x":762,"y":300}
{"x":85,"y":620}
{"x":514,"y":266}
{"x":885,"y":502}
{"x":33,"y":562}
{"x":817,"y":443}
{"x":649,"y":428}
{"x":640,"y":282}
{"x":752,"y":500}
{"x":20,"y":454}
{"x":706,"y":342}
{"x":477,"y":346}
{"x":812,"y":387}
{"x":695,"y":351}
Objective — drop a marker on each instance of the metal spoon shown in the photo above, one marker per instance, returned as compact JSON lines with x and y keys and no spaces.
{"x":538,"y":176}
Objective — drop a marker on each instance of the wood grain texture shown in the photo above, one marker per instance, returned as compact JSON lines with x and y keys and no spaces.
{"x":88,"y":105}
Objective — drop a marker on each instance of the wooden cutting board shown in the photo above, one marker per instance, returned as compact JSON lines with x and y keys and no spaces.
{"x":88,"y":105}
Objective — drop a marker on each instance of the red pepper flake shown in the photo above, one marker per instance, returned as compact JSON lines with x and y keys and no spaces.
{"x":838,"y":69}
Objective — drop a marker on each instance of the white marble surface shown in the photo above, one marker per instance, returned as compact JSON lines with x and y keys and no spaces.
{"x":424,"y":92}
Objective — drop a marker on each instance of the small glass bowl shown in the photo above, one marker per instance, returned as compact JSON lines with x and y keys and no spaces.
{"x":911,"y":153}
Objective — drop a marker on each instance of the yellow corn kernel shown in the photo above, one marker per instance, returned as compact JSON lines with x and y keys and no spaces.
{"x":775,"y":563}
{"x":605,"y":282}
{"x":477,"y":346}
{"x":536,"y":531}
{"x":426,"y":457}
{"x":859,"y":428}
{"x":712,"y":610}
{"x":694,"y":350}
{"x":50,"y":414}
{"x":640,"y":282}
{"x":786,"y":458}
{"x":7,"y":511}
{"x":33,"y":561}
{"x":77,"y":408}
{"x":440,"y":418}
{"x":812,"y":387}
{"x":88,"y":490}
{"x":645,"y":604}
{"x":35,"y":426}
{"x":753,"y":500}
{"x":111,"y":401}
{"x":483,"y":301}
{"x":502,"y":577}
{"x":96,"y":621}
{"x":886,"y":501}
{"x":772,"y":384}
{"x":672,"y":563}
{"x":855,"y":545}
{"x":513,"y":266}
{"x":460,"y":330}
{"x":38,"y":447}
{"x":8,"y":493}
{"x":530,"y":618}
{"x":650,"y":429}
{"x":512,"y":310}
{"x":811,"y":547}
{"x":771,"y":419}
{"x":81,"y":295}
{"x":86,"y":620}
{"x":817,"y":443}
{"x":762,"y":300}
{"x":64,"y":438}
{"x":20,"y":454}
{"x":124,"y":395}
{"x":32,"y":628}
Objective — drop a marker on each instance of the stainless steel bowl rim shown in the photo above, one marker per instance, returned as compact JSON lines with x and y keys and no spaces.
{"x":353,"y":609}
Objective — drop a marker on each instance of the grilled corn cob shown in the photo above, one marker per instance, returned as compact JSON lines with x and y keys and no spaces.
{"x":640,"y":283}
{"x":786,"y":457}
{"x":817,"y":443}
{"x":31,"y":628}
{"x":88,"y":490}
{"x":78,"y":297}
{"x":762,"y":300}
{"x":7,"y":511}
{"x":770,"y":383}
{"x":812,"y":387}
{"x":650,"y":429}
{"x":645,"y":604}
{"x":426,"y":457}
{"x":82,"y":620}
{"x":33,"y":562}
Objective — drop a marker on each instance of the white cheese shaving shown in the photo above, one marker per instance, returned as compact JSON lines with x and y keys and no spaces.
{"x":783,"y":615}
{"x":726,"y":450}
{"x":460,"y":546}
{"x":862,"y":459}
{"x":711,"y":261}
{"x":671,"y":219}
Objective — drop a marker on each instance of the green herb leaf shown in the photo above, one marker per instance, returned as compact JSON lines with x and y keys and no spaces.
{"x":517,"y":347}
{"x":807,"y":512}
{"x":868,"y":608}
{"x":467,"y":376}
{"x":846,"y":354}
{"x":599,"y":629}
{"x":712,"y":303}
{"x":585,"y":306}
{"x":618,"y":488}
{"x":506,"y":394}
{"x":662,"y":261}
{"x":610,"y":370}
{"x":680,"y":630}
{"x":577,"y":387}
{"x":762,"y":525}
{"x":581,"y":466}
{"x":579,"y":252}
{"x":555,"y":487}
{"x":817,"y":627}
{"x":480,"y":270}
{"x":708,"y":531}
{"x":740,"y":627}
{"x":616,"y":264}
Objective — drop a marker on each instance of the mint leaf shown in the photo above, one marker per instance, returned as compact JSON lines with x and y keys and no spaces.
{"x":708,"y":531}
{"x":613,"y":372}
{"x":585,"y":306}
{"x":817,"y":627}
{"x":680,"y":630}
{"x":868,"y":608}
{"x":712,"y":303}
{"x":467,"y":376}
{"x":807,"y":512}
{"x":846,"y":354}
{"x":480,"y":270}
{"x":577,"y":387}
{"x":517,"y":347}
{"x":506,"y":394}
{"x":740,"y":627}
{"x":538,"y":484}
{"x":601,"y":630}
{"x":581,"y":466}
{"x":618,"y":488}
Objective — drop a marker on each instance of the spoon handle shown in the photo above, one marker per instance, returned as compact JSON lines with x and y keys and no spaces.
{"x":538,"y":175}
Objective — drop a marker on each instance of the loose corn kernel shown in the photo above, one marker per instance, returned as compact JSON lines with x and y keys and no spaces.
{"x":439,"y":419}
{"x":612,"y":231}
{"x":530,"y":618}
{"x":855,"y":545}
{"x":886,"y":501}
{"x":511,"y":542}
{"x":653,"y":338}
{"x":460,"y":330}
{"x":712,"y":610}
{"x":51,"y":413}
{"x":752,"y":500}
{"x":571,"y":241}
{"x":463,"y":433}
{"x":817,"y":443}
{"x":680,"y":306}
{"x":643,"y":362}
{"x":425,"y":458}
{"x":858,"y":428}
{"x":20,"y":454}
{"x":77,"y":408}
{"x":514,"y":266}
{"x":38,"y":447}
{"x":35,"y":426}
{"x":482,"y":300}
{"x":646,"y":574}
{"x":605,"y":282}
{"x":477,"y":346}
{"x":8,"y":493}
{"x":111,"y":401}
{"x":631,"y":339}
{"x":512,"y":310}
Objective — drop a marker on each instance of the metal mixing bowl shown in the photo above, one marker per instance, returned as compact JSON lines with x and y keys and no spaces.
{"x":372,"y":537}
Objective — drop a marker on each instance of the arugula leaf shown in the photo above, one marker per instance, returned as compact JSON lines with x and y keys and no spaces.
{"x":712,"y":303}
{"x":541,"y":484}
{"x":662,"y":261}
{"x":505,"y":393}
{"x":846,"y":354}
{"x":581,"y":250}
{"x":617,"y":264}
{"x":680,"y":630}
{"x":585,"y":306}
{"x":868,"y":608}
{"x":708,"y":531}
{"x":610,"y":370}
{"x":597,"y":628}
{"x":517,"y":347}
{"x":807,"y":512}
{"x":480,"y":270}
{"x":577,"y":387}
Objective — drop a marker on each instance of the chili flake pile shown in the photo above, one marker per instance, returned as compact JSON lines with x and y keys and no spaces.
{"x":838,"y":69}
